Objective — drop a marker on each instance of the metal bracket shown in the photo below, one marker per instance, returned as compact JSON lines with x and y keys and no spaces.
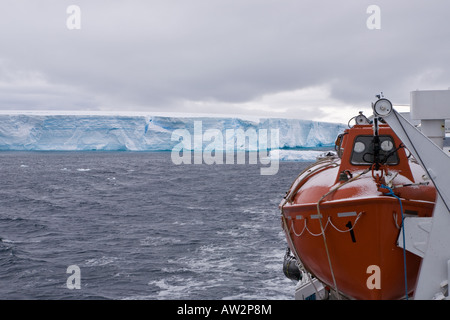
{"x":434,"y":268}
{"x":417,"y":231}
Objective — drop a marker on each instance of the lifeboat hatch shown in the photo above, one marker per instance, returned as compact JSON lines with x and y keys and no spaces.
{"x":359,"y":149}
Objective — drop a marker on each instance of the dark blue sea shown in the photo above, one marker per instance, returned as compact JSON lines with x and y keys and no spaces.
{"x":140,"y":227}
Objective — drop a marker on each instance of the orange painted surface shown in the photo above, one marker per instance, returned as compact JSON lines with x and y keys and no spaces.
{"x":373,"y":217}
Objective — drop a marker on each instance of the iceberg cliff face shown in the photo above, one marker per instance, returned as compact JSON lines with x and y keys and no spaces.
{"x":79,"y":132}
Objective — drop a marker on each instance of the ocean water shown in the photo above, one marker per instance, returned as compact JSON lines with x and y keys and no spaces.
{"x":140,"y":227}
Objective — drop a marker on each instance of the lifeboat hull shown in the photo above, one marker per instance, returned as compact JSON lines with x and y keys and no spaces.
{"x":361,"y":236}
{"x":343,"y":215}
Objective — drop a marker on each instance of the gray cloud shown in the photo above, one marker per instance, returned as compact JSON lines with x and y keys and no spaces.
{"x":153,"y":55}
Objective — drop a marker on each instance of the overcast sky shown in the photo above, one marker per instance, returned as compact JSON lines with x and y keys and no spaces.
{"x":310,"y":59}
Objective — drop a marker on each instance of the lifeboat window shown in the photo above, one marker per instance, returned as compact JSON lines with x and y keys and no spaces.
{"x":363,"y":150}
{"x":359,"y":147}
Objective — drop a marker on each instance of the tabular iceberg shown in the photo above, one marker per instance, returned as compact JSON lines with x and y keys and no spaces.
{"x":78,"y":132}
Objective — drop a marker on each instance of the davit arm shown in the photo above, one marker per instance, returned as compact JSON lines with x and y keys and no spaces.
{"x":426,"y":237}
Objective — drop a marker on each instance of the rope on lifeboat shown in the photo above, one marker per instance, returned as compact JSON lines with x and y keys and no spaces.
{"x":391,"y":193}
{"x":306,"y":173}
{"x":305,"y":227}
{"x":297,"y":257}
{"x":321,"y":225}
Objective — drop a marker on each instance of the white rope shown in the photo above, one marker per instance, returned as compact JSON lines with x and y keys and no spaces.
{"x":297,"y":257}
{"x":305,"y":227}
{"x":289,"y":197}
{"x":323,"y":231}
{"x":293,"y":229}
{"x":349,"y":229}
{"x":318,"y":234}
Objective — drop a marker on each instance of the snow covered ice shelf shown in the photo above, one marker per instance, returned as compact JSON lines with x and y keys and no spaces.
{"x":143,"y":132}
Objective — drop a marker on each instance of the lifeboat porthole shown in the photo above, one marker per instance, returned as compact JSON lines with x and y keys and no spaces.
{"x":359,"y":147}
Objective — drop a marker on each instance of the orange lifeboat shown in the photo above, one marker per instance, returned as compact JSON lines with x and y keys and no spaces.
{"x":343,"y":215}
